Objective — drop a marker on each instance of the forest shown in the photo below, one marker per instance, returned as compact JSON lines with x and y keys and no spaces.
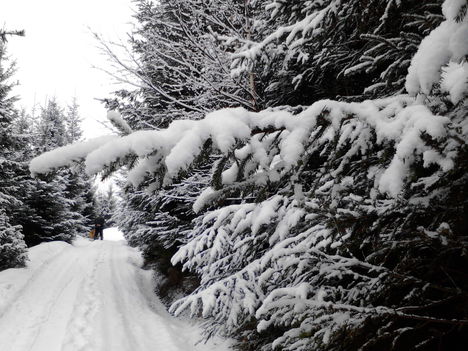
{"x":294,"y":172}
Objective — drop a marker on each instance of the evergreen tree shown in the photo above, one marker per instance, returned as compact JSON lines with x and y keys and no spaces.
{"x":13,"y":251}
{"x":54,"y":199}
{"x":12,"y":246}
{"x":182,"y":70}
{"x":51,"y":130}
{"x":9,"y":144}
{"x":106,"y":205}
{"x":78,"y":186}
{"x":90,"y":211}
{"x":26,"y":214}
{"x":72,"y":122}
{"x":43,"y":211}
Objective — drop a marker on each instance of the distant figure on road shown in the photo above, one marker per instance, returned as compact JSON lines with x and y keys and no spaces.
{"x":98,"y":228}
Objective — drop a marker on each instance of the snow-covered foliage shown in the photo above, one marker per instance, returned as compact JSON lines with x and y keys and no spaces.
{"x":340,"y":225}
{"x":268,"y":157}
{"x":298,"y":48}
{"x":179,"y":71}
{"x":117,"y":121}
{"x":448,"y":43}
{"x":12,"y":245}
{"x":69,"y":154}
{"x":59,"y":202}
{"x":13,"y":251}
{"x":164,"y":219}
{"x":73,"y":121}
{"x":455,"y":81}
{"x":177,"y":68}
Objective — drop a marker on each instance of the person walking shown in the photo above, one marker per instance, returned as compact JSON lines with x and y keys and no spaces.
{"x":98,"y":228}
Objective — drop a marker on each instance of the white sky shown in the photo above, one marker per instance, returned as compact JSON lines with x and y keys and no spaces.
{"x":57,"y":54}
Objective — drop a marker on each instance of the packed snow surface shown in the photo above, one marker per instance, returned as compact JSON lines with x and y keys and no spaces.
{"x":91,"y":295}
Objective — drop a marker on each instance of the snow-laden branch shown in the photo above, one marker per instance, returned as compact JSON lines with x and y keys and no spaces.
{"x":67,"y":155}
{"x":397,"y":120}
{"x":117,"y":121}
{"x":296,"y":31}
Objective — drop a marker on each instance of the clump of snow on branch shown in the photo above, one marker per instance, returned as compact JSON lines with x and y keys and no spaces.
{"x":117,"y":121}
{"x":447,"y":43}
{"x":66,"y":155}
{"x":455,"y":81}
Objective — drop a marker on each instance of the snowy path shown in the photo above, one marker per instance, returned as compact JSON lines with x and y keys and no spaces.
{"x":91,"y":296}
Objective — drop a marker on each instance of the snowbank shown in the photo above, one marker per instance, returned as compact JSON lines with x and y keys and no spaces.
{"x":14,"y":280}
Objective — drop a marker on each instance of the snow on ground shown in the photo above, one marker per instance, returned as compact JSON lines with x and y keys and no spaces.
{"x":89,"y":296}
{"x":113,"y":234}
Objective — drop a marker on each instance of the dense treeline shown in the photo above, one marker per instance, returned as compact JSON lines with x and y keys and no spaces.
{"x":32,"y":210}
{"x":323,"y":204}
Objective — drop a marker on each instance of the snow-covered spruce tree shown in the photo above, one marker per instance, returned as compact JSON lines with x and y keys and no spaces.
{"x":77,"y":186}
{"x":73,"y":122}
{"x":24,"y":213}
{"x":12,"y":245}
{"x":57,"y":200}
{"x":357,"y":248}
{"x":106,"y":205}
{"x":13,"y":250}
{"x":158,"y":223}
{"x":51,"y":130}
{"x":21,"y":196}
{"x":8,"y":142}
{"x":305,"y":46}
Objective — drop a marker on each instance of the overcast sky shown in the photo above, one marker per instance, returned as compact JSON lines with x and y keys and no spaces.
{"x":57,"y":54}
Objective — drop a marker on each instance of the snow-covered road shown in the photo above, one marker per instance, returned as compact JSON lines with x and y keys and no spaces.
{"x":90,"y":296}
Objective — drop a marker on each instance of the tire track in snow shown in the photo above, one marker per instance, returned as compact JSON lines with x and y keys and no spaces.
{"x":80,"y":328}
{"x":117,"y":284}
{"x":45,"y":318}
